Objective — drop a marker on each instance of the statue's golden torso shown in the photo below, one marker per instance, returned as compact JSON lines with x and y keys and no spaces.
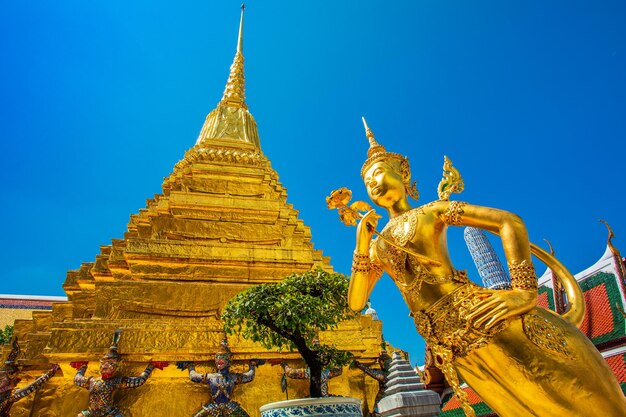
{"x":422,"y":285}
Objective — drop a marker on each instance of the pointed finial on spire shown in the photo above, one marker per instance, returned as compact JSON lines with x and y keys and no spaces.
{"x":234,"y":93}
{"x":240,"y":39}
{"x":621,"y":265}
{"x":611,"y":234}
{"x":231,"y":120}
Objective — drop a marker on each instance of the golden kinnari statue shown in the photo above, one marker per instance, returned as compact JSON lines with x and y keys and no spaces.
{"x":521,"y":359}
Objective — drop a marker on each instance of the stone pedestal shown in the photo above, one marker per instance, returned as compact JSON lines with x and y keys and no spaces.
{"x":405,"y":394}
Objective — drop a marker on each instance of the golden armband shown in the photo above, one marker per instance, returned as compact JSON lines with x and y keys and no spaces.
{"x":523,"y":275}
{"x":454,"y":213}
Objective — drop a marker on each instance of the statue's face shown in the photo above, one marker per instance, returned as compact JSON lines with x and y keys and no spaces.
{"x":108,"y":367}
{"x":8,"y":381}
{"x":222,"y":361}
{"x":384,"y":184}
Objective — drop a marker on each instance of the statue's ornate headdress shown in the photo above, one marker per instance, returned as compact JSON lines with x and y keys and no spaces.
{"x":113,"y":353}
{"x":224,"y":350}
{"x":378,"y":153}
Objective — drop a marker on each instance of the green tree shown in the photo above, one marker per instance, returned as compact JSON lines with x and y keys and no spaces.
{"x":6,"y":335}
{"x":288,"y":315}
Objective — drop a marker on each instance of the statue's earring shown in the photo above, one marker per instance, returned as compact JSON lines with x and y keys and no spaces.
{"x":411,"y":190}
{"x":405,"y":171}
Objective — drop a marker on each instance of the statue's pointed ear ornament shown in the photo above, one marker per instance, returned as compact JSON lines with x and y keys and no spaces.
{"x":452,"y":182}
{"x":378,"y":153}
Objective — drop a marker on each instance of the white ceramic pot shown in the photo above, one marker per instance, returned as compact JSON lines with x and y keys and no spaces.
{"x":314,"y":407}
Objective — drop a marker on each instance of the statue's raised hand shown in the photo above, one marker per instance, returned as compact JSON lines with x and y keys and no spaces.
{"x":365,"y":230}
{"x":78,"y":365}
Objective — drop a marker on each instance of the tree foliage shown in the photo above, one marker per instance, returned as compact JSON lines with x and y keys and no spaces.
{"x":6,"y":335}
{"x":288,"y":315}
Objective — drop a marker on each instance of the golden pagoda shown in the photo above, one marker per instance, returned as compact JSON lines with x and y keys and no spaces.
{"x":221,"y":225}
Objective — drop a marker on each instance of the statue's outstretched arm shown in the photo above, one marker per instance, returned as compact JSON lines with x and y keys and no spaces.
{"x":503,"y":304}
{"x":80,"y":379}
{"x":377,"y":374}
{"x":510,"y":227}
{"x":34,"y":386}
{"x":191,"y":367}
{"x":366,"y":268}
{"x":295,"y":373}
{"x":247,"y":376}
{"x":196,"y":376}
{"x":137,"y":381}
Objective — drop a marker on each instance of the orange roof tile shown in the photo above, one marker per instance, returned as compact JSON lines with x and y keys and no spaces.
{"x":599,"y":317}
{"x":542,"y":300}
{"x":618,"y":365}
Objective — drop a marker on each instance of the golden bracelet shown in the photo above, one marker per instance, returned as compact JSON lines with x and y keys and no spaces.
{"x":357,"y":269}
{"x":523,"y":275}
{"x":360,"y":258}
{"x":361,"y":263}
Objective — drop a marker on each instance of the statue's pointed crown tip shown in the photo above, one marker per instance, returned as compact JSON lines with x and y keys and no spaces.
{"x":113,"y":352}
{"x":375,"y":147}
{"x":224,"y":347}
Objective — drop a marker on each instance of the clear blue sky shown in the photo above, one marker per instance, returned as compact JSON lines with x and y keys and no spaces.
{"x":100,"y":99}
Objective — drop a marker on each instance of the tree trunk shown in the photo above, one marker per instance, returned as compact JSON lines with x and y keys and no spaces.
{"x":315,"y":386}
{"x":315,"y":372}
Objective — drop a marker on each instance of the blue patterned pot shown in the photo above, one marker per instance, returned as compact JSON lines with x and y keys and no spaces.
{"x":314,"y":407}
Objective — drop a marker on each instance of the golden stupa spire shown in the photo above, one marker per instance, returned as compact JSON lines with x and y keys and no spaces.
{"x":240,"y":38}
{"x":231,"y":121}
{"x":234,"y":93}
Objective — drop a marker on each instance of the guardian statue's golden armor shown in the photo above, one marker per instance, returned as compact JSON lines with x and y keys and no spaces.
{"x":521,"y":359}
{"x":221,"y":384}
{"x":102,"y":389}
